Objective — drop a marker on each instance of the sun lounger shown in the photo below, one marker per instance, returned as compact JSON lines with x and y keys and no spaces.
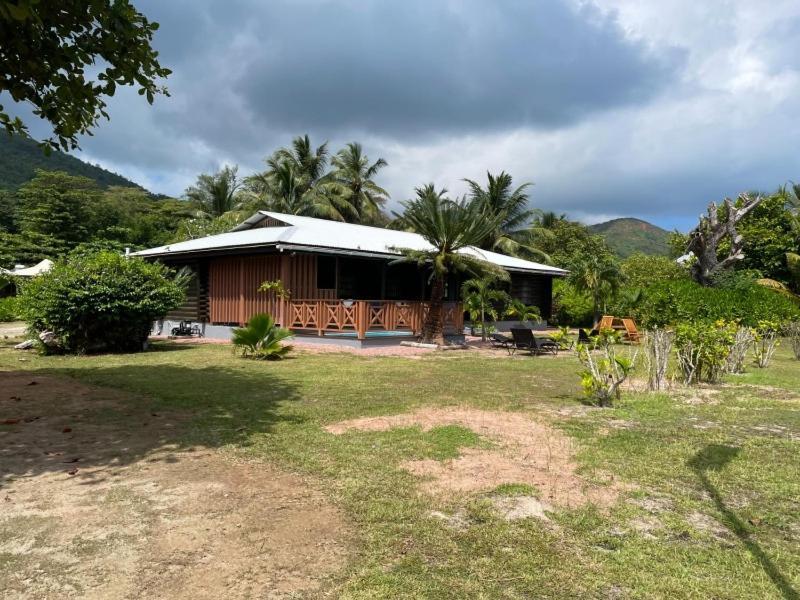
{"x":523,"y":339}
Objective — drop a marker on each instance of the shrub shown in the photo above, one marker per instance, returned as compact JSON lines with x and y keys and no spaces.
{"x":604,"y":370}
{"x":100,"y":302}
{"x":261,"y":338}
{"x":765,"y":342}
{"x":792,"y":331}
{"x":703,"y":350}
{"x":742,"y":342}
{"x":657,"y":345}
{"x":676,"y":302}
{"x":9,"y":309}
{"x":571,"y":307}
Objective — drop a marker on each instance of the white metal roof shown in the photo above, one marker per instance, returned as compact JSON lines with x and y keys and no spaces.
{"x":37,"y":269}
{"x":307,"y":233}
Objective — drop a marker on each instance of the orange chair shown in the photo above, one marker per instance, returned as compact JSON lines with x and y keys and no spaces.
{"x":630,"y":330}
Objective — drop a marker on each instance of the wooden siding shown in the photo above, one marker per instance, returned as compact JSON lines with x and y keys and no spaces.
{"x":534,"y":289}
{"x":233,"y":282}
{"x":195,"y":306}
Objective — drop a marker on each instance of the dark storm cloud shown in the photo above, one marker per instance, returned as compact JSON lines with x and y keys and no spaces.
{"x":421,"y":67}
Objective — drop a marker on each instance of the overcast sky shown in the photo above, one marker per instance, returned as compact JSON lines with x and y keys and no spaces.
{"x":647,"y":108}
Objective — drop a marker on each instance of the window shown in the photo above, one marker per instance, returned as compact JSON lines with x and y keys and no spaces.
{"x":326,"y":272}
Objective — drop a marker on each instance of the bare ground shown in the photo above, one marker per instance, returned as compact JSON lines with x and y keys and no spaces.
{"x":98,"y":501}
{"x":526,"y":451}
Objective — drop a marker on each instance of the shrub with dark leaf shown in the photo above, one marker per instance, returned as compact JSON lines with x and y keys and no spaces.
{"x":100,"y":302}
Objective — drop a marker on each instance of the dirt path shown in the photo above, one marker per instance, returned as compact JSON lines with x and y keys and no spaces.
{"x":526,"y":451}
{"x":97,"y":500}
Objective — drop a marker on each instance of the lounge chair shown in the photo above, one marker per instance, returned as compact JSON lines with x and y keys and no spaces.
{"x":499,"y":340}
{"x":631,"y":333}
{"x":525,"y":340}
{"x":583,"y":337}
{"x":606,"y":322}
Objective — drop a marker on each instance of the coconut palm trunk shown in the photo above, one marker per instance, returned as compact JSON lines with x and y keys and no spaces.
{"x":433,"y":327}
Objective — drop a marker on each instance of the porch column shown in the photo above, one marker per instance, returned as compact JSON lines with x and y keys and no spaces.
{"x":362,"y":317}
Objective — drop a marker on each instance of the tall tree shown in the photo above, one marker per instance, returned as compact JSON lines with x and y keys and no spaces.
{"x":215,"y":194}
{"x":449,"y":227}
{"x":297,"y":182}
{"x":509,"y":205}
{"x":600,"y":277}
{"x":355,"y":176}
{"x":49,"y":49}
{"x":59,"y":205}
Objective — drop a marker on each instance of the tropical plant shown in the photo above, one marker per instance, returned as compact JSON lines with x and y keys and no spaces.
{"x":480,"y":301}
{"x":604,"y":370}
{"x":276,"y":288}
{"x":449,"y":227}
{"x":296,"y":182}
{"x":261,"y":338}
{"x":562,"y":337}
{"x":215,"y":194}
{"x":355,"y":176}
{"x":517,"y":309}
{"x":509,"y":205}
{"x":598,"y":276}
{"x":201,"y":226}
{"x":703,"y":350}
{"x":766,"y":342}
{"x":102,"y":302}
{"x":9,"y":306}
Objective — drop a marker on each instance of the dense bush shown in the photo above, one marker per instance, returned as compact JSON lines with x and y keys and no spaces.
{"x":675,"y":302}
{"x":571,"y":307}
{"x":100,"y":302}
{"x":9,"y":309}
{"x":703,"y":349}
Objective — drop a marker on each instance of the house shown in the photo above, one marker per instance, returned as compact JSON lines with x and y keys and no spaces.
{"x":343,"y":279}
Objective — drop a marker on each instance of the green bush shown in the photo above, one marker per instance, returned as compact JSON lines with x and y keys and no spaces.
{"x":100,"y":302}
{"x":676,"y":302}
{"x":571,"y":307}
{"x":261,"y":338}
{"x":703,"y":349}
{"x":9,"y":309}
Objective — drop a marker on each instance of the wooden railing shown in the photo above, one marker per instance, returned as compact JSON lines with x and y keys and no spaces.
{"x":361,"y":316}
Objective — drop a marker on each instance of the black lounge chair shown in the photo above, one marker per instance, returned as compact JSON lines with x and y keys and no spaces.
{"x":499,"y":340}
{"x":525,"y":340}
{"x":583,"y":337}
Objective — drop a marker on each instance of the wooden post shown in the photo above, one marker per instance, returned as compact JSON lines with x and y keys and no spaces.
{"x":320,"y":317}
{"x":241,"y":292}
{"x":361,"y":319}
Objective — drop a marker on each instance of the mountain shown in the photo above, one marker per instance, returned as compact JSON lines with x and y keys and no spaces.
{"x":20,"y":157}
{"x":628,"y":236}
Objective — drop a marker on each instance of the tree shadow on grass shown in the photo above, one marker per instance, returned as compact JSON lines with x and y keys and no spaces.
{"x":52,"y":422}
{"x":714,"y":457}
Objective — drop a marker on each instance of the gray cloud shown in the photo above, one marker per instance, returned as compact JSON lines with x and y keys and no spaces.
{"x":612,"y":108}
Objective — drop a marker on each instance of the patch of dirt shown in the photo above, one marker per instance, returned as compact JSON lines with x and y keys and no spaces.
{"x":96,"y":505}
{"x":512,"y":508}
{"x":526,"y":451}
{"x":709,"y":525}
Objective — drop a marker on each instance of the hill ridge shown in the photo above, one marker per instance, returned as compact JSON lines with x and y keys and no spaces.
{"x":629,"y":235}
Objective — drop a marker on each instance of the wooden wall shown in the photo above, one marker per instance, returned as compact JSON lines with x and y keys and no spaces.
{"x":233,"y":283}
{"x":533,"y":289}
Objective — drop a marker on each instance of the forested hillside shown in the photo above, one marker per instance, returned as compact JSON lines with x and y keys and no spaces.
{"x":628,"y":236}
{"x":20,"y":157}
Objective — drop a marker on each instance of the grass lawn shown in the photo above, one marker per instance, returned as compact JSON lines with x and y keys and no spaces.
{"x":711,"y":500}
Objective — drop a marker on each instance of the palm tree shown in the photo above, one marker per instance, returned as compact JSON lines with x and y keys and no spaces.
{"x":513,"y":235}
{"x":296,"y":182}
{"x":215,"y":194}
{"x":355,"y":175}
{"x":600,"y":277}
{"x":448,"y":226}
{"x":480,"y":299}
